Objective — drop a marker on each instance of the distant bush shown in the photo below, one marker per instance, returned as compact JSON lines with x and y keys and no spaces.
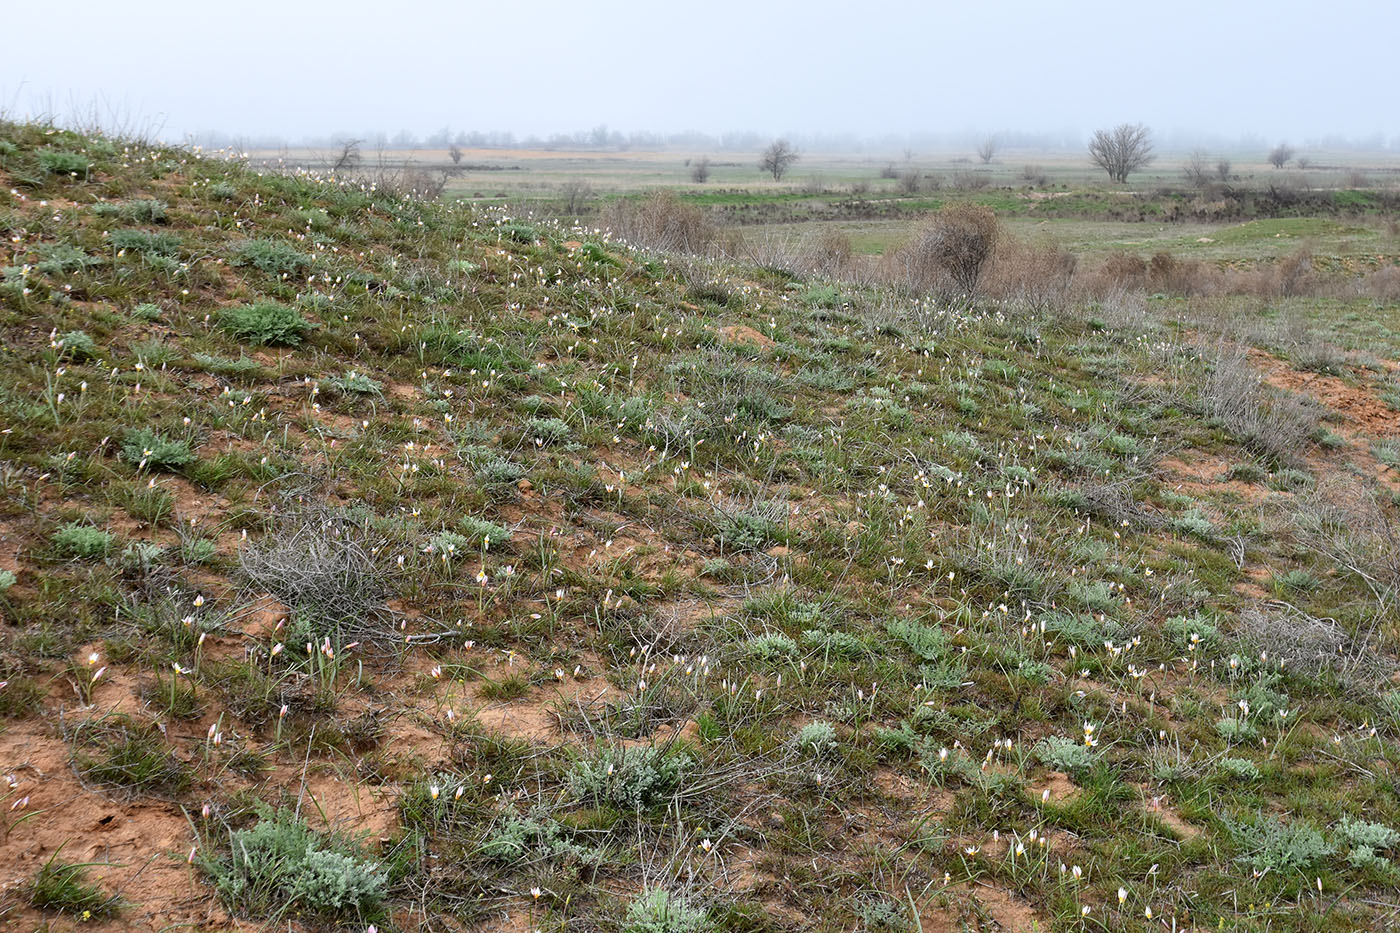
{"x":1038,"y":276}
{"x":950,"y":251}
{"x":266,"y":322}
{"x":660,"y":221}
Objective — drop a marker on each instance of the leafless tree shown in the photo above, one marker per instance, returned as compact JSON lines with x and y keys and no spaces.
{"x":455,"y":154}
{"x":987,"y":149}
{"x":778,"y":158}
{"x":1122,"y":150}
{"x":349,"y":157}
{"x":1222,"y":169}
{"x":1197,"y":169}
{"x":700,"y":171}
{"x":1280,"y":154}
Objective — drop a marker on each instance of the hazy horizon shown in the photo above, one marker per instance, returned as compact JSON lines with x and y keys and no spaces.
{"x":1195,"y":72}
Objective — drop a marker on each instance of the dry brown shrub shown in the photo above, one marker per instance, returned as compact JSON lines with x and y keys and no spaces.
{"x":1118,"y":273}
{"x":661,"y":221}
{"x":1293,"y":274}
{"x":829,"y":253}
{"x":1384,"y":284}
{"x":1038,"y":275}
{"x":970,"y":180}
{"x":1272,"y":423}
{"x":1166,"y":273}
{"x":950,"y":252}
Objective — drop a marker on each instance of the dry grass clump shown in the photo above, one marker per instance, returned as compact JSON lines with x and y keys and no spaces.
{"x":319,"y":562}
{"x":1273,"y":424}
{"x":1036,"y":275}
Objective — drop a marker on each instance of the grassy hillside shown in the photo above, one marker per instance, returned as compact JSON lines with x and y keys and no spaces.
{"x":372,"y":561}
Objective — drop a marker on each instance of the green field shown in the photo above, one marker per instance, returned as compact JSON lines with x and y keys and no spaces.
{"x":1066,"y":202}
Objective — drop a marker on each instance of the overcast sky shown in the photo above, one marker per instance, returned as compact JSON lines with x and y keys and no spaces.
{"x":1285,"y":69}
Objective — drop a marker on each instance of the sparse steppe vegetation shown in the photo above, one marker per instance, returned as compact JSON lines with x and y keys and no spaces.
{"x":373,"y":559}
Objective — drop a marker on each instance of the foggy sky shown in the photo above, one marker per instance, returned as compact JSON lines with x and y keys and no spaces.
{"x":1225,"y":68}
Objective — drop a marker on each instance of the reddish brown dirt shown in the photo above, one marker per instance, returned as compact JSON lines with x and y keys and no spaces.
{"x":145,"y":842}
{"x":1364,"y":411}
{"x":1198,"y":474}
{"x":1174,"y":821}
{"x":740,"y":333}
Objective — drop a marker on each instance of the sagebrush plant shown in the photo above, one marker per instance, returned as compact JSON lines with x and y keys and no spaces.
{"x":1267,"y":843}
{"x":65,"y":163}
{"x":151,"y":450}
{"x":266,"y":322}
{"x":281,"y":867}
{"x":657,"y":910}
{"x":1065,"y":754}
{"x":82,"y":541}
{"x":270,"y":256}
{"x":630,"y":778}
{"x":815,"y":738}
{"x":483,"y":533}
{"x":77,"y":345}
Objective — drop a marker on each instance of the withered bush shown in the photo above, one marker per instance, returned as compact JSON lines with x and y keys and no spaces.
{"x":321,"y":563}
{"x":1273,"y":424}
{"x":950,"y":252}
{"x":1037,"y":275}
{"x":661,"y":221}
{"x":829,"y":253}
{"x":1118,"y":272}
